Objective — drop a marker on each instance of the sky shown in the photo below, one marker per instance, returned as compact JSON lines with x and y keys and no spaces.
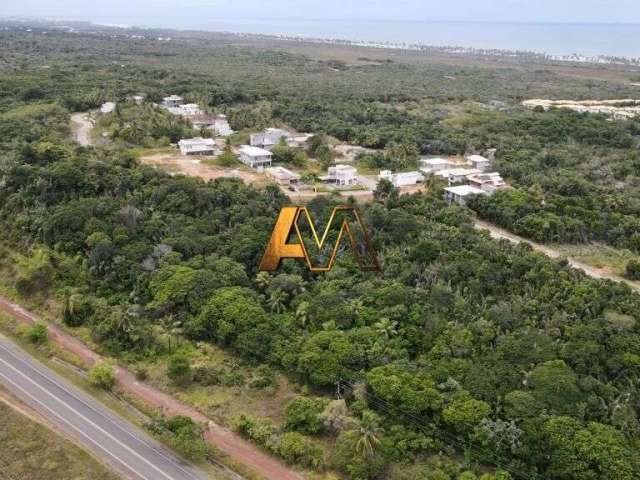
{"x":135,"y":11}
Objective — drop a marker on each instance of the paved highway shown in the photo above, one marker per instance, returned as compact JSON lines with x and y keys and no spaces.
{"x":120,"y":444}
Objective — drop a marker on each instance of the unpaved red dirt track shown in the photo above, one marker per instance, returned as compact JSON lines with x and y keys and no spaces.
{"x":225,"y":440}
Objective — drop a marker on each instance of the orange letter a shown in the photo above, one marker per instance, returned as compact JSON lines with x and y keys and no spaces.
{"x":278,"y":248}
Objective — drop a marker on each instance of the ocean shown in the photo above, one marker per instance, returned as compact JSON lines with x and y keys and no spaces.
{"x":590,"y":40}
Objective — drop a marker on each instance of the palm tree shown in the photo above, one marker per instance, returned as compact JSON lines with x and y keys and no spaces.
{"x":369,"y":432}
{"x":302,"y":313}
{"x":277,"y":301}
{"x":263,"y":279}
{"x":357,"y":306}
{"x":386,"y":327}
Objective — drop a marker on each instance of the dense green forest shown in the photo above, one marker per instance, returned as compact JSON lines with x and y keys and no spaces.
{"x":467,"y":358}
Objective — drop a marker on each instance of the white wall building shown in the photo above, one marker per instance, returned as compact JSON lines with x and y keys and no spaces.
{"x":432,"y":165}
{"x":270,"y":138}
{"x":283,"y":176}
{"x":479,"y":162}
{"x":459,"y":175}
{"x":187,"y":110}
{"x":198,"y":146}
{"x":255,"y":157}
{"x":172,"y":101}
{"x":460,"y":194}
{"x":218,"y":124}
{"x":402,"y":179}
{"x":221,"y":126}
{"x":488,"y":182}
{"x":341,"y":175}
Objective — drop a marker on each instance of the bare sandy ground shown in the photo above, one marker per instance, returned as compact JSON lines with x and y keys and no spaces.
{"x":194,"y":167}
{"x":81,"y":127}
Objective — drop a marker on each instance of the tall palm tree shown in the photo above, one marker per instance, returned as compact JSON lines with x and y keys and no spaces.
{"x":386,"y":327}
{"x":277,"y":301}
{"x":302,"y":314}
{"x":369,"y":432}
{"x":263,"y":279}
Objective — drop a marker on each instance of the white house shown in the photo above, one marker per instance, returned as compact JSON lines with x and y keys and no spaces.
{"x":479,"y":162}
{"x":283,"y":176}
{"x":488,"y":182}
{"x":218,"y":124}
{"x":255,"y":157}
{"x":172,"y":101}
{"x":107,"y":107}
{"x":186,"y":110}
{"x":460,"y":194}
{"x":459,"y":175}
{"x":221,"y":126}
{"x":270,"y":138}
{"x":190,"y":109}
{"x":402,"y":179}
{"x":341,"y":175}
{"x":198,"y":146}
{"x":431,"y":165}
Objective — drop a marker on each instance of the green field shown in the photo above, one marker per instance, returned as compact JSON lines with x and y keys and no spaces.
{"x":30,"y":451}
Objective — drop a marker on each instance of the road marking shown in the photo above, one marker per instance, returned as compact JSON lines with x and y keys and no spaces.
{"x":114,"y":421}
{"x":65,"y":421}
{"x":136,"y":454}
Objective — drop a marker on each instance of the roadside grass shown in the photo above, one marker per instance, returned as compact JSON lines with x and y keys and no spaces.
{"x":28,"y":450}
{"x":599,"y":255}
{"x":220,"y":402}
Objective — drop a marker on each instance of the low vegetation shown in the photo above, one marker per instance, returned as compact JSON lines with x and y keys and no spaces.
{"x":29,"y":450}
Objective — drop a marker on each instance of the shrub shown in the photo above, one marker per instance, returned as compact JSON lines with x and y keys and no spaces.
{"x":294,"y":447}
{"x":141,"y":373}
{"x":207,"y":375}
{"x":184,"y":435}
{"x":264,"y":377}
{"x":633,"y":270}
{"x":179,"y":369}
{"x":303,"y":414}
{"x":102,"y":376}
{"x":37,"y":334}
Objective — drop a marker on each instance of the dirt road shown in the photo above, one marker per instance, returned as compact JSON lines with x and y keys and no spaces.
{"x":81,"y":127}
{"x":501,"y":233}
{"x":230,"y":443}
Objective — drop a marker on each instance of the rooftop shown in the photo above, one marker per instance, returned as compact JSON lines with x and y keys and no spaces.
{"x":459,"y":172}
{"x":477,"y":158}
{"x":464,"y":190}
{"x":254,"y":151}
{"x":343,"y":168}
{"x":435,"y":161}
{"x":197,"y":141}
{"x":282,"y":173}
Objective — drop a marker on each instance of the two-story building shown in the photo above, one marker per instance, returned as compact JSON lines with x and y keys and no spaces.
{"x":460,"y":194}
{"x":255,"y":157}
{"x":341,"y":175}
{"x":479,"y":162}
{"x":270,"y":138}
{"x":488,"y":182}
{"x":459,"y":175}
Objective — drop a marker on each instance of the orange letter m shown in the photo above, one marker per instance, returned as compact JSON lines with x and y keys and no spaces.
{"x":292,"y":220}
